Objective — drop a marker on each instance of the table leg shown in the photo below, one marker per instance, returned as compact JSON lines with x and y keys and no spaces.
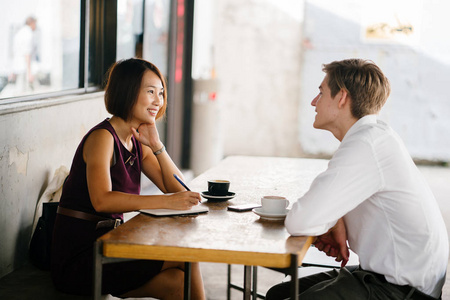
{"x":98,"y":270}
{"x":255,"y":282}
{"x":294,"y":276}
{"x":247,"y":281}
{"x":187,"y":281}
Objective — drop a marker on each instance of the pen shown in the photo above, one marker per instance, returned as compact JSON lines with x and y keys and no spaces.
{"x":180,"y":181}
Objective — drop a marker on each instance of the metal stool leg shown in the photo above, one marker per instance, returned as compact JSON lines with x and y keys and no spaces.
{"x":228,"y":282}
{"x":250,"y":279}
{"x":255,"y":283}
{"x":98,"y":270}
{"x":247,"y":282}
{"x":294,"y":276}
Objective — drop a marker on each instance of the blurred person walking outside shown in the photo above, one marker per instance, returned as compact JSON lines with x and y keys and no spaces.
{"x":25,"y":56}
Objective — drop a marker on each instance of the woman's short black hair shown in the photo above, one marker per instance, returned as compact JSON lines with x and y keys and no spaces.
{"x":123,"y":86}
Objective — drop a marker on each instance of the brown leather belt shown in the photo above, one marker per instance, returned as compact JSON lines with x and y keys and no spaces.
{"x":101,"y":222}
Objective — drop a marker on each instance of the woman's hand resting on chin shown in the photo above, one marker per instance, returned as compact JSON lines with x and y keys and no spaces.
{"x":147,"y":134}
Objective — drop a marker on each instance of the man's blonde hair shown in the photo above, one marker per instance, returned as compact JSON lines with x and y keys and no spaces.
{"x":363,"y":81}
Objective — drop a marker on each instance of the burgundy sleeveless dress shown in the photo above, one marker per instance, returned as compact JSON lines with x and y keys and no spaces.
{"x":73,"y":239}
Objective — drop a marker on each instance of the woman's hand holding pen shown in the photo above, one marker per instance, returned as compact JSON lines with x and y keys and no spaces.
{"x":182,"y":200}
{"x":185,"y":186}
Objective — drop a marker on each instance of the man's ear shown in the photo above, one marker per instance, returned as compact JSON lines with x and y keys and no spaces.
{"x":344,"y":98}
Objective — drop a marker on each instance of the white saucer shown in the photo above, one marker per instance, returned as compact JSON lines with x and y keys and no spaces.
{"x":210,"y":197}
{"x":270,"y":216}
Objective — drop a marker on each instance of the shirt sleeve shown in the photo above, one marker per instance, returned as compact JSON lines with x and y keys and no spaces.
{"x":352,"y":176}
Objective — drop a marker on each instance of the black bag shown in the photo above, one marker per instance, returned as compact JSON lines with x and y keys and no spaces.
{"x":40,"y":245}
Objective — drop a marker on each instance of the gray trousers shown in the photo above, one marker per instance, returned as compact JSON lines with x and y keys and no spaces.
{"x":346,"y":284}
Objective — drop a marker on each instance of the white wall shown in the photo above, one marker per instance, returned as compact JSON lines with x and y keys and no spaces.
{"x":267,"y":56}
{"x":417,"y":65}
{"x":252,"y":51}
{"x":36,"y":138}
{"x":258,"y":65}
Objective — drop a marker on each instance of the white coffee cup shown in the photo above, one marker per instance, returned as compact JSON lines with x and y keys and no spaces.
{"x":274,"y":204}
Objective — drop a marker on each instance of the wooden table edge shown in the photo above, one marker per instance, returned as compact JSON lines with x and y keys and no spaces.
{"x":170,"y":253}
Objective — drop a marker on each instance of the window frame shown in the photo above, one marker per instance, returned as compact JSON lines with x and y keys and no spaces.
{"x":97,"y":52}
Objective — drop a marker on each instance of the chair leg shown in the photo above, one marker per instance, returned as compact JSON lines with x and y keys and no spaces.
{"x":247,"y":282}
{"x":250,"y":279}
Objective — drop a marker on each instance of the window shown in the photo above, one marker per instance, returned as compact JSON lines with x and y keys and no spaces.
{"x":47,"y":49}
{"x":55,"y":47}
{"x":156,"y":33}
{"x":52,"y":48}
{"x":130,"y":30}
{"x":41,"y":47}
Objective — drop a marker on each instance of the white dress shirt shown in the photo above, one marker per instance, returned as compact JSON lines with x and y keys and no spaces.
{"x":393,"y":221}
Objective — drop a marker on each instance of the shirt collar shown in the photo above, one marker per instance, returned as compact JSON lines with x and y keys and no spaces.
{"x":369,"y":119}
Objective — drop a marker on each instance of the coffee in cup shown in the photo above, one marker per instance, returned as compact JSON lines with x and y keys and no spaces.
{"x":218,"y":187}
{"x":274,"y":204}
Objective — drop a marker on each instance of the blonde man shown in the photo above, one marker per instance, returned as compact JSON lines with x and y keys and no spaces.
{"x":371,"y":198}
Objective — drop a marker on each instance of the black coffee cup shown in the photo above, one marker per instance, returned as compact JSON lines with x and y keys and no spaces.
{"x":218,"y":187}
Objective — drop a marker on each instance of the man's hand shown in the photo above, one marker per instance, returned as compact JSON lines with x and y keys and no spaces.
{"x":334,"y":242}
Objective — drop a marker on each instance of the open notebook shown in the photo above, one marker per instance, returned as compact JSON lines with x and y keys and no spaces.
{"x":161,"y":212}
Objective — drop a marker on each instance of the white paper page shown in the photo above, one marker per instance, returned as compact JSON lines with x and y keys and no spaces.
{"x":173,"y":212}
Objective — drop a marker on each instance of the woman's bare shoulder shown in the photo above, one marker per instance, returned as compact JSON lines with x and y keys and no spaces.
{"x":99,"y":141}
